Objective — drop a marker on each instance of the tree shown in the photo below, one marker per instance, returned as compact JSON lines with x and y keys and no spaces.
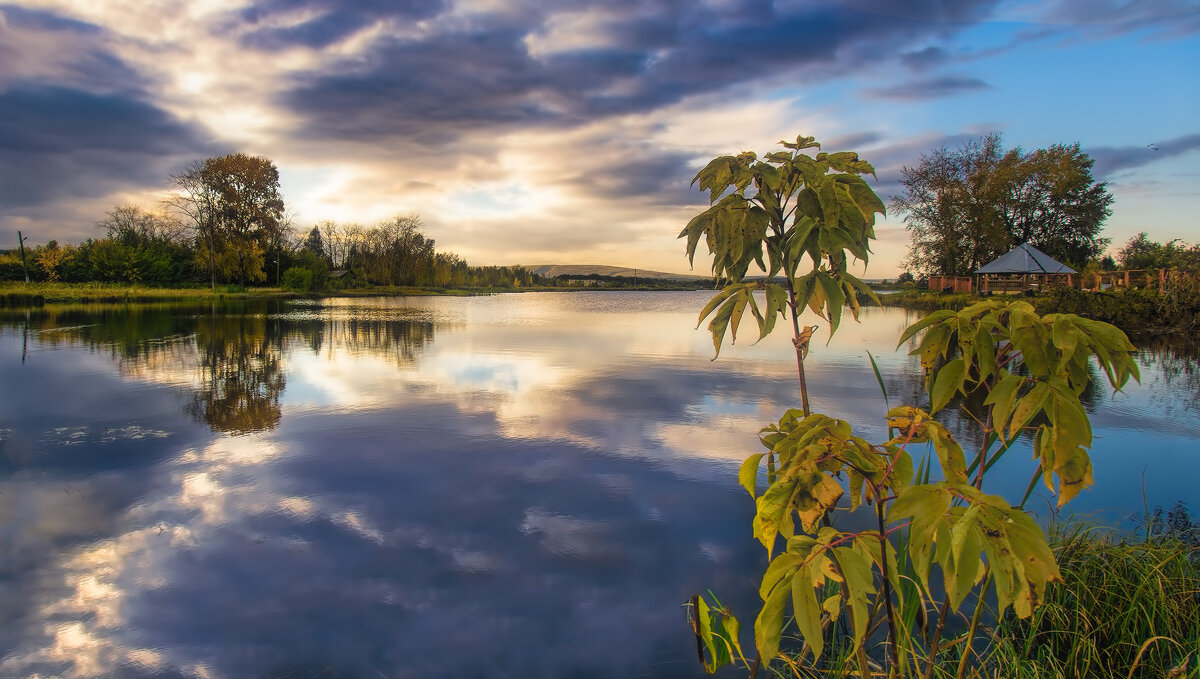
{"x":795,"y":207}
{"x":1142,"y":253}
{"x":312,"y":243}
{"x":139,"y":247}
{"x":133,"y":226}
{"x":234,"y":205}
{"x":966,"y":206}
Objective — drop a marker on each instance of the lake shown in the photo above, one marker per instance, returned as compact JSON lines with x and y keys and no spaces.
{"x":508,"y":486}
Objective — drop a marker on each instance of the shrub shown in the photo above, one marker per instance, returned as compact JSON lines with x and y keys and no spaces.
{"x":298,"y":278}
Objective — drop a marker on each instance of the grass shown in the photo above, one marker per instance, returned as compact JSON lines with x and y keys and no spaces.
{"x":36,"y":294}
{"x":1129,"y":608}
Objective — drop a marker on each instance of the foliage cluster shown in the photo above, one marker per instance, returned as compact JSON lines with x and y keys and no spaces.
{"x":966,"y":206}
{"x":1029,"y":372}
{"x":1141,"y":309}
{"x":1142,"y":253}
{"x":1135,"y":309}
{"x":226,"y":221}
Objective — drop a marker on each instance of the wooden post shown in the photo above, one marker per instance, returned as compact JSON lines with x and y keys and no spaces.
{"x":21,"y":240}
{"x":1127,"y":278}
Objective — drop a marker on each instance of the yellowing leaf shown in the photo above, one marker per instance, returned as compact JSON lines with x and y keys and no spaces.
{"x":806,"y":610}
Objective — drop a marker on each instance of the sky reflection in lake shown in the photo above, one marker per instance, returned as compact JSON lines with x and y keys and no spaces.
{"x":520,"y":485}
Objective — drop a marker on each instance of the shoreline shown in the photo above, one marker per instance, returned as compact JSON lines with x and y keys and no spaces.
{"x":18,"y":295}
{"x":1142,"y":312}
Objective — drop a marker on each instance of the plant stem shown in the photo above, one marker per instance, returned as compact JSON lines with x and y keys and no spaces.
{"x":800,"y":350}
{"x":966,"y":654}
{"x":887,"y":584}
{"x":937,"y":635}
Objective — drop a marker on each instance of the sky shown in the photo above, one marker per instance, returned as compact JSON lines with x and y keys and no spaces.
{"x":525,"y":132}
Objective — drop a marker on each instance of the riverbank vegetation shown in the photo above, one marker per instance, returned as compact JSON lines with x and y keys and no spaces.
{"x":225,"y":223}
{"x":1176,"y":309}
{"x":1147,"y":305}
{"x":1129,"y":606}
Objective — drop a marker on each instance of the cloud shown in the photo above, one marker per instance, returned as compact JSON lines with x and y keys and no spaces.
{"x":61,"y":51}
{"x":1110,"y":159}
{"x":59,"y":143}
{"x":318,"y":24}
{"x":565,"y":68}
{"x":924,"y":59}
{"x":1163,"y":18}
{"x":929,"y":88}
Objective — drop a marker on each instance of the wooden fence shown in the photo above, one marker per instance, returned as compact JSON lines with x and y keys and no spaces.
{"x":950,"y":283}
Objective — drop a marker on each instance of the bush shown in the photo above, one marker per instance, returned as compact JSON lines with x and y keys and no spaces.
{"x":298,"y":278}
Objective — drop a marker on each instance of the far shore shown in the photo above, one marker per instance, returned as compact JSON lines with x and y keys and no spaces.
{"x":34,"y":294}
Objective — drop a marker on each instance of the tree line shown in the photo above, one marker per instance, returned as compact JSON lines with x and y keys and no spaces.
{"x":226,"y":222}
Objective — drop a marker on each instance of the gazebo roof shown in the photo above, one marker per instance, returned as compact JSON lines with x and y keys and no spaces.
{"x":1025,"y":259}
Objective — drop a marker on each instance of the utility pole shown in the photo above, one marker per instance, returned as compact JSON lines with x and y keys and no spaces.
{"x":21,"y":240}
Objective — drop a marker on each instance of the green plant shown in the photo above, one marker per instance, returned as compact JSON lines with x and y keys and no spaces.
{"x":298,"y":278}
{"x":781,"y":211}
{"x":1028,"y":370}
{"x":1130,"y":606}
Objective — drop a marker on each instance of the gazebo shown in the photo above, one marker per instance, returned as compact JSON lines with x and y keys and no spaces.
{"x":1022,"y":268}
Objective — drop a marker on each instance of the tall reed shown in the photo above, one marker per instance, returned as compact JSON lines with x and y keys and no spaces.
{"x":1130,"y":607}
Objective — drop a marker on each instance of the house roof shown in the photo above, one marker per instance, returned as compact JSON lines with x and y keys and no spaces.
{"x":1025,"y":259}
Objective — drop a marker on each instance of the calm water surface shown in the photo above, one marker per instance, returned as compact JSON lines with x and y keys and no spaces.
{"x":509,"y":486}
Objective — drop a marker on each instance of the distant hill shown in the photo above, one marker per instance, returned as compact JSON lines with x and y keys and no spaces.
{"x":551,"y":270}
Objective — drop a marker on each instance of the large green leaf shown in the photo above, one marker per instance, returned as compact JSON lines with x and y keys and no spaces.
{"x":806,"y":610}
{"x":949,"y":381}
{"x":930,"y":320}
{"x":859,"y":581}
{"x":835,"y":300}
{"x":768,"y":627}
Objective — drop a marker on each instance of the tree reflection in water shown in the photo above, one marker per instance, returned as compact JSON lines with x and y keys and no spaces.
{"x":241,"y":376}
{"x":230,"y":355}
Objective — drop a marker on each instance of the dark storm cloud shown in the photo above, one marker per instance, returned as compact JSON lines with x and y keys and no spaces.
{"x":930,"y":88}
{"x":1110,"y":160}
{"x":60,"y":50}
{"x":483,"y":73}
{"x":60,"y":142}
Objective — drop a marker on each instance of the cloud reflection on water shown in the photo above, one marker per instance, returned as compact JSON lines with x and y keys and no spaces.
{"x":513,"y":486}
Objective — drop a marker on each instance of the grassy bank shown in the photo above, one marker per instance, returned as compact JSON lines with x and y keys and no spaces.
{"x":17,"y":294}
{"x":37,"y":294}
{"x":1129,"y":606}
